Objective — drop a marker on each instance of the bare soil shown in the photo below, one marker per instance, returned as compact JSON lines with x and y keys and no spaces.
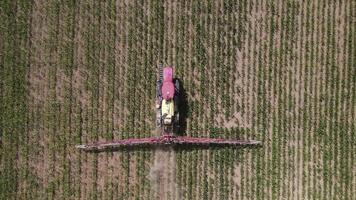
{"x":162,"y":175}
{"x":38,"y":92}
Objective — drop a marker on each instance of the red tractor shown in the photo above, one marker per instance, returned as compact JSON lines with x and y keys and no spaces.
{"x":167,"y":101}
{"x":167,"y":120}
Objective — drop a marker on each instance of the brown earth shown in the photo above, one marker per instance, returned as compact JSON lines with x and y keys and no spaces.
{"x":162,"y":175}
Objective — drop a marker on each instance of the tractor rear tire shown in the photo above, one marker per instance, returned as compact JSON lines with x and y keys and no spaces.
{"x":158,"y":89}
{"x":176,"y":86}
{"x":177,"y":95}
{"x":176,"y":119}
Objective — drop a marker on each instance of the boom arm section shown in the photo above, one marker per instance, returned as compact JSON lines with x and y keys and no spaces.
{"x":99,"y":146}
{"x":164,"y":140}
{"x":213,"y":141}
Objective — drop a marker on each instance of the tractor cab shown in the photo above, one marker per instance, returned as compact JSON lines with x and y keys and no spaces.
{"x":167,"y":111}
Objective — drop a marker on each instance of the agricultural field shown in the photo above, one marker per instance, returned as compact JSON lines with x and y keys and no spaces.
{"x":279,"y":71}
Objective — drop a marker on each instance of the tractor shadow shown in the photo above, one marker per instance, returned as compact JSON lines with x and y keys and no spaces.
{"x":176,"y":147}
{"x":182,"y":130}
{"x":183,"y":108}
{"x":194,"y":147}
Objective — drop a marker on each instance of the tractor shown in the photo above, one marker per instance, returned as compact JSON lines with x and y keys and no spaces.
{"x":167,"y":101}
{"x":168,"y":97}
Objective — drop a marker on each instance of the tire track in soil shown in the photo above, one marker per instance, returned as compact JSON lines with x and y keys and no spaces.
{"x":188,"y":64}
{"x":342,"y":58}
{"x":323,"y":89}
{"x":120,"y":65}
{"x":235,"y":62}
{"x":68,"y":26}
{"x":260,"y":19}
{"x":335,"y":100}
{"x":119,"y":108}
{"x":289,"y":153}
{"x":163,"y":171}
{"x":321,"y":48}
{"x":162,"y":174}
{"x":270,"y":97}
{"x":52,"y":110}
{"x":304,"y":92}
{"x":133,"y":97}
{"x":87,"y":167}
{"x":263,"y":24}
{"x":256,"y":17}
{"x":204,"y":81}
{"x":127,"y":19}
{"x":167,"y":50}
{"x":246,"y":94}
{"x":212,"y":174}
{"x":237,"y":118}
{"x":190,"y":88}
{"x":252,"y":95}
{"x":298,"y":99}
{"x":220,"y":63}
{"x":198,"y":50}
{"x":174,"y":31}
{"x":338,"y":120}
{"x":336,"y":91}
{"x":36,"y":78}
{"x":339,"y":61}
{"x":81,"y":100}
{"x":306,"y":38}
{"x":103,"y":164}
{"x":350,"y":113}
{"x":38,"y":93}
{"x":294,"y":73}
{"x":276,"y":99}
{"x":209,"y":84}
{"x":317,"y":158}
{"x":282,"y":93}
{"x":329,"y":101}
{"x":253,"y":71}
{"x":313,"y":90}
{"x":300,"y":94}
{"x":272,"y":100}
{"x":143,"y":96}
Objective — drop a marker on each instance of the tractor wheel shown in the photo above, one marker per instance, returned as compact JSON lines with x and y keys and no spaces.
{"x":158,"y":120}
{"x":176,"y":86}
{"x":176,"y":119}
{"x":158,"y":89}
{"x":177,"y":92}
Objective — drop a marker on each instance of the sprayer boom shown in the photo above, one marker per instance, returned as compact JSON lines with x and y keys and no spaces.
{"x":162,"y":141}
{"x":168,"y":98}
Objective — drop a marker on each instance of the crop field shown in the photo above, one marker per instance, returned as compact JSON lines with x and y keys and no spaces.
{"x":279,"y":71}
